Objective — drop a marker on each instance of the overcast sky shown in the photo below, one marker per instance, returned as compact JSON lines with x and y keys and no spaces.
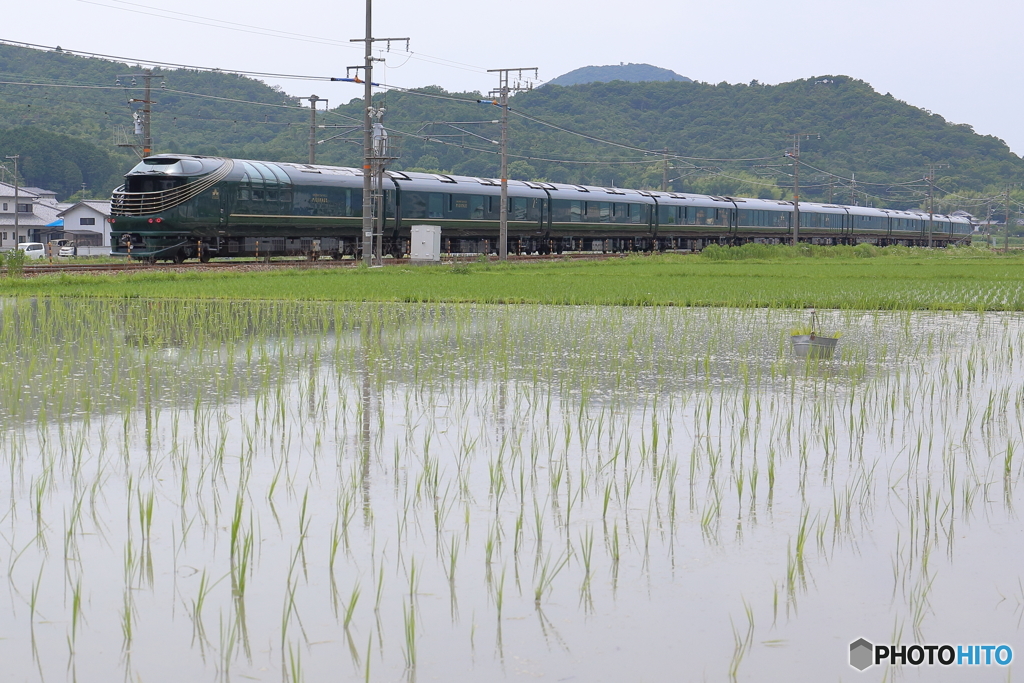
{"x":956,"y":59}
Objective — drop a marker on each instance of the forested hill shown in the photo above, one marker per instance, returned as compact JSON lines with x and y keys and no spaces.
{"x":88,"y":99}
{"x":631,"y":73}
{"x":887,"y":143}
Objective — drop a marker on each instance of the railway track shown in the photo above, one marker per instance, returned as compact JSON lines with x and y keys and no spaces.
{"x":52,"y":268}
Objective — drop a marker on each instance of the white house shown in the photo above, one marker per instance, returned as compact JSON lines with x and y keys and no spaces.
{"x":36,"y":210}
{"x":86,"y":223}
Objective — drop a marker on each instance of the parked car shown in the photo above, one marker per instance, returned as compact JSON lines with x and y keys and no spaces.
{"x":67,"y":250}
{"x":33,"y":250}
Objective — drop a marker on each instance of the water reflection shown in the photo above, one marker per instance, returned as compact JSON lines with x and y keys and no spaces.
{"x":311,"y":490}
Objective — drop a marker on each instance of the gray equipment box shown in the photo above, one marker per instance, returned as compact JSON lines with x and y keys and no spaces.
{"x":426,"y":244}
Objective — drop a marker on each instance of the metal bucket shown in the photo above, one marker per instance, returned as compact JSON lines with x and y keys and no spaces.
{"x":812,"y":346}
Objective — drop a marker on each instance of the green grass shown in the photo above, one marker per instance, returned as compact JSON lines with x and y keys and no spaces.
{"x":954,"y":279}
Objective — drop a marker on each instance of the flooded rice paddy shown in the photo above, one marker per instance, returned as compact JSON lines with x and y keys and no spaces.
{"x":310,"y":492}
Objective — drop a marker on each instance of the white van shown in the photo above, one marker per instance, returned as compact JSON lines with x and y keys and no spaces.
{"x":33,"y":250}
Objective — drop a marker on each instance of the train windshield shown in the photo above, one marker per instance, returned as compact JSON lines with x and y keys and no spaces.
{"x":168,"y":166}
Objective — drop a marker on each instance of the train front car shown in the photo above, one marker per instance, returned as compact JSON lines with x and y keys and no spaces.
{"x":169,"y":205}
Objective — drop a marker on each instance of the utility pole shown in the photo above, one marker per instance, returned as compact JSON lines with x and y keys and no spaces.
{"x":931,"y":204}
{"x":1006,"y":238}
{"x":795,"y":155}
{"x":379,"y":159}
{"x":664,"y":170}
{"x":313,"y":99}
{"x":931,"y":199}
{"x":15,"y":158}
{"x":147,"y":113}
{"x":502,"y":94}
{"x":143,"y":115}
{"x":368,"y":154}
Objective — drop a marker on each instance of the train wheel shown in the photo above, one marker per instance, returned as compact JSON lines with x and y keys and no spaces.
{"x":179,"y":256}
{"x":204,"y":256}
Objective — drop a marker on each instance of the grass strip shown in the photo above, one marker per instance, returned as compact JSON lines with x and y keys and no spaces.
{"x":925,"y":281}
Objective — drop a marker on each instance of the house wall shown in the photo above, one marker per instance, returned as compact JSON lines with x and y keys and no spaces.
{"x":73,"y":220}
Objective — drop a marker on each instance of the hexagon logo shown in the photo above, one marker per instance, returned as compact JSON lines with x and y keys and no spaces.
{"x":860,"y":654}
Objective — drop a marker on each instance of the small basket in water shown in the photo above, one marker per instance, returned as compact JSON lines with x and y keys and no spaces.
{"x":813,"y":346}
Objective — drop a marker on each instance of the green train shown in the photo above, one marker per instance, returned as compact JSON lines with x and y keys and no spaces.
{"x":175,"y":207}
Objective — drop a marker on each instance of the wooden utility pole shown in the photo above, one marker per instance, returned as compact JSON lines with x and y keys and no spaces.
{"x":502,"y":93}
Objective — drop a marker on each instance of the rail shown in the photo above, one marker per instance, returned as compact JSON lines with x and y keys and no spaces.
{"x":146,"y":203}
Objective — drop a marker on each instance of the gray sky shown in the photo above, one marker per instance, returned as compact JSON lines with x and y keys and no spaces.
{"x":953,"y":58}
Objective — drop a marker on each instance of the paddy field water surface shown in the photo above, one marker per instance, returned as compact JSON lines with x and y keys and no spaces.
{"x":309,"y":491}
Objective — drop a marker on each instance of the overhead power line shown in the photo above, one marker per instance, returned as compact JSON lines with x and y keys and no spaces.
{"x":149,"y":10}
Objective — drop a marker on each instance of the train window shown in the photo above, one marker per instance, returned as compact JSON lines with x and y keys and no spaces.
{"x":135,"y":184}
{"x":244,"y":193}
{"x":435,"y":205}
{"x":598,"y":212}
{"x":414,"y":204}
{"x":666,"y":215}
{"x":262,"y":170}
{"x":279,"y":173}
{"x":636,"y":213}
{"x":191,"y":166}
{"x":257,"y":195}
{"x":518,"y":208}
{"x":252,"y":175}
{"x":476,"y":207}
{"x":157,"y":166}
{"x":271,"y":196}
{"x":285,"y":196}
{"x":575,"y":211}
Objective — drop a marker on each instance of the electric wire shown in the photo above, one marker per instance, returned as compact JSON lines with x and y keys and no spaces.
{"x":273,"y":33}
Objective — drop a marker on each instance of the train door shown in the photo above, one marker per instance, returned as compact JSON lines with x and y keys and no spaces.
{"x":545,"y":213}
